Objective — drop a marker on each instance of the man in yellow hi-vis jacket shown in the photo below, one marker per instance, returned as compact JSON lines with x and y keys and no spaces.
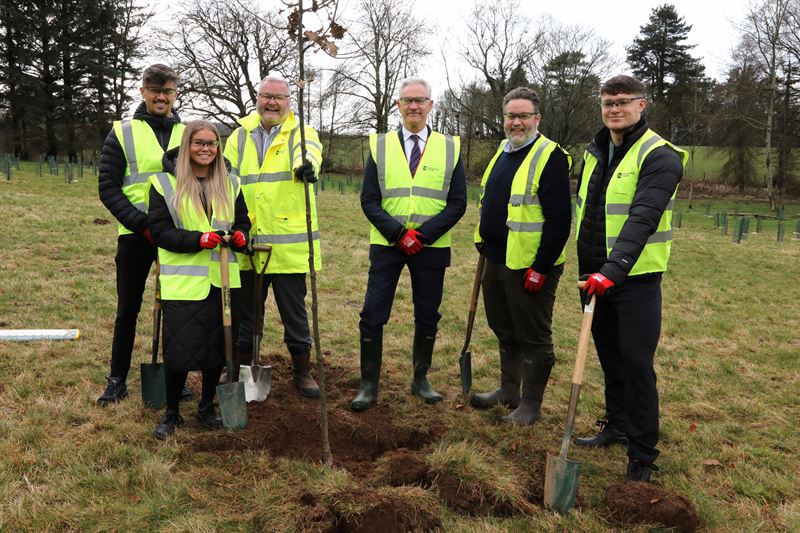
{"x":265,"y":153}
{"x":414,"y":192}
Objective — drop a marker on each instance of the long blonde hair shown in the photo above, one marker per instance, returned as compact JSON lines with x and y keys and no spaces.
{"x":189,"y":188}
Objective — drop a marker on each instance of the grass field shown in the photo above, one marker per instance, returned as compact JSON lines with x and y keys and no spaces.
{"x":728,"y":366}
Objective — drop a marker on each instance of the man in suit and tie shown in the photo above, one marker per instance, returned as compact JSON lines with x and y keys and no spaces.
{"x":414,"y":192}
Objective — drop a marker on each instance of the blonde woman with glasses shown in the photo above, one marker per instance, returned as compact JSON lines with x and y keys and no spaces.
{"x":194,"y":204}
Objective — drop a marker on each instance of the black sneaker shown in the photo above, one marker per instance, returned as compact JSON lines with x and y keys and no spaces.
{"x":208,"y":416}
{"x":116,"y":390}
{"x":608,"y":435}
{"x":186,"y":393}
{"x":639,"y":470}
{"x":168,"y":425}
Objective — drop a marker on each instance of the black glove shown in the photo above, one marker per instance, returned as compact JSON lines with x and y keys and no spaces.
{"x":305,"y":171}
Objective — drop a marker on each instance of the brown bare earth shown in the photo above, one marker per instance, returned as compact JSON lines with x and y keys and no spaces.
{"x":638,"y":502}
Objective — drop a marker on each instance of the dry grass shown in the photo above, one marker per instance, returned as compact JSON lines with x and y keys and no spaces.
{"x":728,"y":367}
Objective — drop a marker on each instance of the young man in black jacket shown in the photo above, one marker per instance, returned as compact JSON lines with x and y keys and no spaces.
{"x":131,"y":153}
{"x":624,"y":210}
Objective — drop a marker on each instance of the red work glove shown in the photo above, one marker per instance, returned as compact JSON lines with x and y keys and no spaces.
{"x":534,"y":281}
{"x":596,"y":284}
{"x":237,"y":241}
{"x":210,"y":240}
{"x":149,"y":236}
{"x":410,"y":243}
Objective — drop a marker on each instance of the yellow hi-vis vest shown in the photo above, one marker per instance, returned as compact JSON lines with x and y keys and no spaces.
{"x":525,"y":218}
{"x":413,"y":201}
{"x":189,"y":276}
{"x":143,"y":155}
{"x":619,"y":195}
{"x":275,"y":200}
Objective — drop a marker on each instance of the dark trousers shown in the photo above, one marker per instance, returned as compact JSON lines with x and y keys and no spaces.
{"x":626,"y":327}
{"x":135,"y":256}
{"x":175,"y":380}
{"x":290,"y":296}
{"x":521,"y":320}
{"x":427,"y":283}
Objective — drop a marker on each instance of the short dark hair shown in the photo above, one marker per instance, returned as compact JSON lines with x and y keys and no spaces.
{"x":522,"y":93}
{"x":623,"y":84}
{"x":159,"y":74}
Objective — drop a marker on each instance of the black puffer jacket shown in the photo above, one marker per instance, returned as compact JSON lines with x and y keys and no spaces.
{"x":660,"y":174}
{"x":113,"y":164}
{"x":193,"y":337}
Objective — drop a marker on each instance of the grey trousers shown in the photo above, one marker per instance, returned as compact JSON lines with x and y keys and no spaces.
{"x":521,"y":320}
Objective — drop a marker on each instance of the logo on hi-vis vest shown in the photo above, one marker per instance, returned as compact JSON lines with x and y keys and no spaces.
{"x":426,"y":168}
{"x":625,"y":174}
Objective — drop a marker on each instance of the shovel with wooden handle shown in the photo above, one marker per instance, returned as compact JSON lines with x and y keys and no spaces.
{"x":232,"y":404}
{"x":561,"y":474}
{"x":465,"y":359}
{"x":154,"y":393}
{"x":257,"y":379}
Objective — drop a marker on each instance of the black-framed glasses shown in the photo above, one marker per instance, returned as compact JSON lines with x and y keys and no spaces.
{"x":621,"y":102}
{"x":166,"y":91}
{"x":199,"y":143}
{"x":522,"y":116}
{"x":276,"y":97}
{"x":408,"y":100}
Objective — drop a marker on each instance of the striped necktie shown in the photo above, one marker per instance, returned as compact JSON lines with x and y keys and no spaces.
{"x":416,"y":155}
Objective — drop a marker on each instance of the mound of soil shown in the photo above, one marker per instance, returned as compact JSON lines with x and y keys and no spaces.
{"x":637,"y":502}
{"x":370,"y":511}
{"x":405,"y":468}
{"x":287,"y":425}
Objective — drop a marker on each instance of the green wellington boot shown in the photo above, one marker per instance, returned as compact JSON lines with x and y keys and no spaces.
{"x":510,"y":379}
{"x":534,"y":380}
{"x":371,"y":350}
{"x":422,"y":355}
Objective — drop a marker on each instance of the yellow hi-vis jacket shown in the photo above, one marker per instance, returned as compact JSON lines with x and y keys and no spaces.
{"x":412,"y":201}
{"x":619,"y":195}
{"x":143,"y":155}
{"x":189,"y":276}
{"x":525,"y":218}
{"x":275,"y":200}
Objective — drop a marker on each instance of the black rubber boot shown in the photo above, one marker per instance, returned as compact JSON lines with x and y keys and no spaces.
{"x":422,"y":355}
{"x":168,"y":424}
{"x":208,"y":416}
{"x":510,"y":379}
{"x":371,"y":351}
{"x":301,"y":375}
{"x":116,"y":390}
{"x":535,"y":375}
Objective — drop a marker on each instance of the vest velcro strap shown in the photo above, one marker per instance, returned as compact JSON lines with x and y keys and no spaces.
{"x":424,"y":192}
{"x":401,"y":192}
{"x":288,"y":238}
{"x":523,"y":199}
{"x":269,"y":177}
{"x":141,"y":206}
{"x":618,"y":209}
{"x":526,"y":227}
{"x":645,"y":147}
{"x":130,"y":147}
{"x":184,"y":270}
{"x":655,"y":238}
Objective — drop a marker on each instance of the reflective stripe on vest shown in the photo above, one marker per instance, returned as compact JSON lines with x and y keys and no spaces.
{"x":189,"y":276}
{"x":143,"y":155}
{"x":525,"y":217}
{"x":619,"y":195}
{"x":412,"y":201}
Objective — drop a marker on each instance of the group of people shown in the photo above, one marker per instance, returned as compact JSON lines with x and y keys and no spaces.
{"x":179,"y":201}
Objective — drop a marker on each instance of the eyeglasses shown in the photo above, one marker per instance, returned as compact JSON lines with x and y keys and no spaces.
{"x":166,"y":91}
{"x":276,"y":97}
{"x":622,"y":102}
{"x":408,"y":100}
{"x":197,"y":143}
{"x":522,"y":116}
